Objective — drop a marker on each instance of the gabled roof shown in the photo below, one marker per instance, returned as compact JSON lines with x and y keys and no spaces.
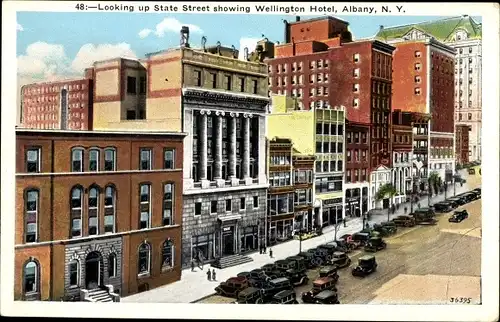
{"x":442,"y":29}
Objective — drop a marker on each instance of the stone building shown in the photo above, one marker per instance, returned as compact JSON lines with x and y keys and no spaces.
{"x":98,"y":213}
{"x":463,"y":34}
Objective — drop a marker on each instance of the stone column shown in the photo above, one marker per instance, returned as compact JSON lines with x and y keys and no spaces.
{"x":203,"y":147}
{"x":218,"y":150}
{"x":246,"y":148}
{"x":232,"y":152}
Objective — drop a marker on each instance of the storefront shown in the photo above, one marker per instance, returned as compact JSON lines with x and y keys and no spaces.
{"x":280,"y":231}
{"x":356,"y":201}
{"x":303,"y":221}
{"x":249,"y":238}
{"x":331,"y":211}
{"x":203,"y":245}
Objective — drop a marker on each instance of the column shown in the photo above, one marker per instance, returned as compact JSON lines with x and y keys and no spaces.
{"x":246,"y":145}
{"x":203,"y":145}
{"x":232,"y":142}
{"x":218,"y":148}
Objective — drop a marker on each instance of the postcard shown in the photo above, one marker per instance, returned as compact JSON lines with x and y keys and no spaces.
{"x":171,"y":159}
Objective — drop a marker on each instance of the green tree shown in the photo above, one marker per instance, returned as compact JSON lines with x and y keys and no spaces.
{"x":389,"y":191}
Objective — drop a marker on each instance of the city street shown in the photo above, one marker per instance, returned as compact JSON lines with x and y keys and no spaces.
{"x":431,"y":258}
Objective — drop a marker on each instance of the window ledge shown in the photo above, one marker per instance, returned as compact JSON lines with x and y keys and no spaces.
{"x":143,"y":275}
{"x":167,"y":269}
{"x":72,"y":287}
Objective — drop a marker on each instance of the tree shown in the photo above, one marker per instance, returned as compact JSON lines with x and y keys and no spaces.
{"x":386,"y":190}
{"x":433,"y":182}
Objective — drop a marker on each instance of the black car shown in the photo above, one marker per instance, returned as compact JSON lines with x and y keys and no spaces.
{"x":285,"y":297}
{"x":443,"y":206}
{"x":366,"y":265}
{"x":460,"y":200}
{"x":308,"y":259}
{"x":477,"y":191}
{"x":468,"y":196}
{"x":458,"y":216}
{"x":453,"y":202}
{"x":275,"y":286}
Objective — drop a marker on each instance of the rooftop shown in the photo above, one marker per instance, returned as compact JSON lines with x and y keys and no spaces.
{"x":20,"y":130}
{"x":318,"y":19}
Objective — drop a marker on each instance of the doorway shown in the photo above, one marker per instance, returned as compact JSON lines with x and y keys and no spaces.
{"x":385,"y":203}
{"x":93,"y":269}
{"x":228,"y":241}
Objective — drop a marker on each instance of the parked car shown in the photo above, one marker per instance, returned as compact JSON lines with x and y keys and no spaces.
{"x":319,"y":255}
{"x":453,"y":202}
{"x":308,"y":259}
{"x":329,"y":249}
{"x":469,"y":196}
{"x":275,"y":286}
{"x":232,"y":287}
{"x":250,"y":295}
{"x":340,"y":260}
{"x":327,"y":297}
{"x":347,"y":238}
{"x":296,"y":276}
{"x":329,"y":271}
{"x":298,"y":262}
{"x":443,"y":206}
{"x":390,"y":226}
{"x":424,"y":216}
{"x":458,"y":216}
{"x":361,"y":238}
{"x":375,"y":244}
{"x":459,"y":200}
{"x":252,"y":282}
{"x":285,"y":297}
{"x":477,"y":194}
{"x":478,"y":191}
{"x":340,"y":245}
{"x":272,"y":271}
{"x":366,"y":265}
{"x":321,"y":284}
{"x":404,"y":221}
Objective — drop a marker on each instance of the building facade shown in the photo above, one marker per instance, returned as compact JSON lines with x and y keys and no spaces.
{"x":303,"y":181}
{"x":462,"y":143}
{"x":463,"y":34}
{"x":96,"y":210}
{"x":402,"y":154}
{"x":64,"y":105}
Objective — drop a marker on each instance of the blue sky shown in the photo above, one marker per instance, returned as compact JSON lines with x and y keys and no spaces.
{"x":78,"y":38}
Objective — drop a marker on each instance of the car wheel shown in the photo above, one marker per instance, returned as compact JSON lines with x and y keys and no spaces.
{"x":329,"y":257}
{"x":259,"y":301}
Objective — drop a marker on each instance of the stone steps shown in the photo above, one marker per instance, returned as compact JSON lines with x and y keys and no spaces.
{"x":100,"y":295}
{"x":230,"y":261}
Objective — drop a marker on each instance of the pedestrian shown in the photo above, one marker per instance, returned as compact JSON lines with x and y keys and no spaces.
{"x":200,"y":260}
{"x":345,"y":225}
{"x":406,"y":210}
{"x":209,"y":275}
{"x":265,"y":249}
{"x":418,"y":205}
{"x":270,"y":253}
{"x":192,"y":265}
{"x":213,"y":274}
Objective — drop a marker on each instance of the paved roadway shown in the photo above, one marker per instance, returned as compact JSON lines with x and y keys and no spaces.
{"x":418,"y":251}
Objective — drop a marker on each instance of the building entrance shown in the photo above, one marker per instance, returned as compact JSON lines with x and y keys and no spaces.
{"x":93,"y":269}
{"x":228,"y":240}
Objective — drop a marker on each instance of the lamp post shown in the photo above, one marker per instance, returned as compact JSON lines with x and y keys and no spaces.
{"x":445,"y":188}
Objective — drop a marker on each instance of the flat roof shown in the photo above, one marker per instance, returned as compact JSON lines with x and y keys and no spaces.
{"x":95,"y":132}
{"x":318,"y":19}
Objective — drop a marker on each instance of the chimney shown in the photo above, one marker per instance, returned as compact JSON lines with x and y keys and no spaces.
{"x":381,"y":27}
{"x":297,"y":19}
{"x":287,"y":32}
{"x":185,"y":36}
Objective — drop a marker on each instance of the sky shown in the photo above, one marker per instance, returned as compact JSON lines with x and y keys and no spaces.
{"x":55,"y":45}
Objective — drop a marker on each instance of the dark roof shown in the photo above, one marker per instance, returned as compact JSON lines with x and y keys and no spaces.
{"x":284,"y":293}
{"x":325,"y":294}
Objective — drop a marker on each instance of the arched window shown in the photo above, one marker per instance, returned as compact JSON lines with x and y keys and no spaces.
{"x":31,"y":216}
{"x":109,"y":209}
{"x":31,"y":277}
{"x":76,"y":211}
{"x":144,"y":258}
{"x":93,"y":211}
{"x":112,"y":265}
{"x":167,"y":254}
{"x":77,"y":160}
{"x":74,"y":273}
{"x":109,"y":159}
{"x":94,"y":159}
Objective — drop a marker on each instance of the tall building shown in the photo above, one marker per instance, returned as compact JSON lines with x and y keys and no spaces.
{"x":98,"y":213}
{"x":221,"y":102}
{"x":322,"y":67}
{"x":462,"y":143}
{"x":424,"y":83}
{"x":64,"y":105}
{"x":464,"y":34}
{"x":402,"y":154}
{"x":318,"y":132}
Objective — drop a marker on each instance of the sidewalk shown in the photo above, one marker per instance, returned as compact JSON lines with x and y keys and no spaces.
{"x":194,"y":285}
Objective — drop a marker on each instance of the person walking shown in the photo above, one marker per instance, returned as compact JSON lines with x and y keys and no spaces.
{"x":213,"y":275}
{"x":270,"y":253}
{"x":406,"y":210}
{"x":209,"y":275}
{"x":345,"y":224}
{"x":192,"y":265}
{"x":200,"y":260}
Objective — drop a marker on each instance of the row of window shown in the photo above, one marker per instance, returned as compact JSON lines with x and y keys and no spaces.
{"x":461,"y":50}
{"x":228,"y":204}
{"x":297,"y":66}
{"x":356,"y":156}
{"x":329,"y":184}
{"x":132,"y":85}
{"x":354,"y":175}
{"x":280,"y":204}
{"x":53,"y":89}
{"x":356,"y":137}
{"x":469,"y":116}
{"x":228,"y":82}
{"x":399,"y":138}
{"x":329,"y":147}
{"x":329,"y":166}
{"x":280,"y":179}
{"x":52,"y":116}
{"x":329,"y":129}
{"x":401,"y":157}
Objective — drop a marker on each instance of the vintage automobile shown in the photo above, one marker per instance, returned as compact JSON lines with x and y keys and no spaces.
{"x":296,"y":276}
{"x":478,"y":191}
{"x":232,"y":287}
{"x":347,"y":239}
{"x":425,"y":216}
{"x":469,"y":196}
{"x":319,"y":255}
{"x":250,"y":295}
{"x":453,"y":202}
{"x":375,"y":244}
{"x":326,"y":297}
{"x":275,"y":286}
{"x":329,"y":248}
{"x":390,"y":227}
{"x":329,"y":271}
{"x":298,"y":262}
{"x":443,"y":206}
{"x":366,"y":265}
{"x":308,"y":259}
{"x":272,"y":271}
{"x":252,"y":282}
{"x":285,"y":297}
{"x":460,"y":200}
{"x":361,"y":238}
{"x":404,"y":221}
{"x":340,"y":260}
{"x":476,"y":194}
{"x":458,"y":216}
{"x":381,"y":230}
{"x":321,"y":284}
{"x":339,"y":245}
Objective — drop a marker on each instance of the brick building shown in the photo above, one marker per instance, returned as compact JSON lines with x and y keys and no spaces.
{"x":462,"y":143}
{"x":221,"y":102}
{"x":96,"y":210}
{"x":402,"y":154}
{"x":322,"y":67}
{"x":424,"y":83}
{"x":65,"y":105}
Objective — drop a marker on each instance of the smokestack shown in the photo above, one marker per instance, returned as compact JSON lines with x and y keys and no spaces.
{"x":381,"y":27}
{"x":287,"y":32}
{"x":184,"y":36}
{"x":297,"y":18}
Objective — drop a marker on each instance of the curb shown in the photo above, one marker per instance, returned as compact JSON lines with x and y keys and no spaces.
{"x":205,"y":297}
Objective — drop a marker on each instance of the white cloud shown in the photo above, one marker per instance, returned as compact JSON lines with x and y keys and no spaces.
{"x":89,"y":53}
{"x":42,"y":60}
{"x":144,"y":33}
{"x":169,"y":25}
{"x":19,"y":27}
{"x":250,"y":43}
